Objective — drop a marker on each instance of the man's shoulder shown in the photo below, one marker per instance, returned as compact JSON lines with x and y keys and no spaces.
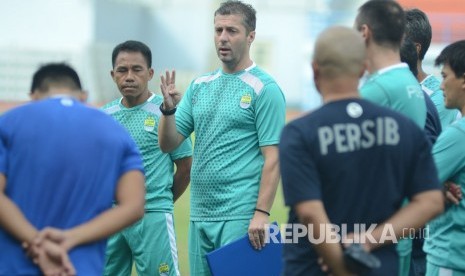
{"x":262,"y":75}
{"x":156,"y":99}
{"x":111,"y":106}
{"x":396,"y":78}
{"x":431,"y":84}
{"x":261,"y":81}
{"x":355,"y":108}
{"x":152,"y":106}
{"x":454,"y":135}
{"x":458,"y":125}
{"x":207,"y":77}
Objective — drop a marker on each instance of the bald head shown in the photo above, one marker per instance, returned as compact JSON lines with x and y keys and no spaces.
{"x":339,"y":52}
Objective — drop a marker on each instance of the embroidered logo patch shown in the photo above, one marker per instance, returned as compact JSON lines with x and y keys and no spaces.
{"x":164,"y":269}
{"x":354,"y":110}
{"x":246,"y":100}
{"x":149,"y":123}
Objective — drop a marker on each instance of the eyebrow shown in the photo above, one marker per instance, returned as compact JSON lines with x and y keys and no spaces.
{"x":132,"y":66}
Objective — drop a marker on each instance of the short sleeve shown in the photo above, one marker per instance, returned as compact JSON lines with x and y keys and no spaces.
{"x":132,"y":160}
{"x":184,"y":150}
{"x":184,"y":118}
{"x":300,"y":178}
{"x":270,"y":114}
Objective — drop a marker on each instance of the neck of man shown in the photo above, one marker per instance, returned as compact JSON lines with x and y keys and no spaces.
{"x":339,"y":88}
{"x":421,"y":76}
{"x":135,"y":101}
{"x":231,"y":68}
{"x":381,"y":57}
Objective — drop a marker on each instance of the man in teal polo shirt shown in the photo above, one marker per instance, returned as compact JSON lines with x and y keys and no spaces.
{"x":445,"y":247}
{"x":237,"y":113}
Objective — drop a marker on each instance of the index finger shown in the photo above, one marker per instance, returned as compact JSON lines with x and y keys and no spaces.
{"x":254,"y":239}
{"x":173,"y":76}
{"x":451,"y":198}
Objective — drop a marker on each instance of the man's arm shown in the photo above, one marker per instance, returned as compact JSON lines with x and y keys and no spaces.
{"x":168,"y":136}
{"x":268,"y":186}
{"x":16,"y":224}
{"x":11,"y":217}
{"x":130,"y":197}
{"x":313,"y":212}
{"x":422,"y":208}
{"x":182,"y":176}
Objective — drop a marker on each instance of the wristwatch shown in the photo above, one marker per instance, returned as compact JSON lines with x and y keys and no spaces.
{"x":167,"y":112}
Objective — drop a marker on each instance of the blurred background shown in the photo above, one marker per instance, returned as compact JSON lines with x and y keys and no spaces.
{"x":180,"y":34}
{"x":83,"y":33}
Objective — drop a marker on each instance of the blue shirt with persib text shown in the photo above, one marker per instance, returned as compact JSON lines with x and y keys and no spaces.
{"x":360,"y":160}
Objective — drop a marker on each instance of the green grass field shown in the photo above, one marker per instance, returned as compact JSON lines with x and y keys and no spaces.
{"x":181,"y":218}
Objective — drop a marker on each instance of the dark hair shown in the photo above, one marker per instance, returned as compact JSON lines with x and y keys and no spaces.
{"x":132,"y":46}
{"x":418,"y":29}
{"x":55,"y":74}
{"x":454,"y":56}
{"x":409,"y":55}
{"x":386,"y":20}
{"x":237,"y":7}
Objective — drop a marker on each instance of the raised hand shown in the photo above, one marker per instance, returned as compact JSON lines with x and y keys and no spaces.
{"x":171,"y":96}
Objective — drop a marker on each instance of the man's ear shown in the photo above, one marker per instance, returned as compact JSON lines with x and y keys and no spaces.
{"x":35,"y":95}
{"x":316,"y":75}
{"x":366,"y":32}
{"x":315,"y":70}
{"x":251,"y":37}
{"x":83,"y":96}
{"x":418,"y":47}
{"x":463,"y":81}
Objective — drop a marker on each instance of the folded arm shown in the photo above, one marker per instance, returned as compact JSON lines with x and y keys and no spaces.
{"x":130,"y":197}
{"x":11,"y":217}
{"x":16,"y":224}
{"x":312,"y":212}
{"x":422,"y":208}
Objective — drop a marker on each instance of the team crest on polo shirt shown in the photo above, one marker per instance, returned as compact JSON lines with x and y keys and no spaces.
{"x":164,"y":269}
{"x":246,"y":99}
{"x":354,"y":110}
{"x":149,"y":123}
